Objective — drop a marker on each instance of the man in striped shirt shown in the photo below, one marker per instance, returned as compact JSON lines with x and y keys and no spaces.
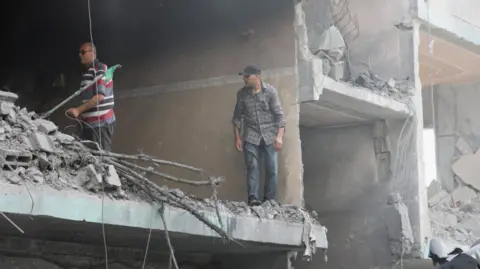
{"x":96,"y":112}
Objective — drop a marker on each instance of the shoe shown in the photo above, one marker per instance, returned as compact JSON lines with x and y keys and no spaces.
{"x":254,"y":202}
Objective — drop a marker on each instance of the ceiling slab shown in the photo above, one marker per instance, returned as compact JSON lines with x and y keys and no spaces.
{"x":449,"y":63}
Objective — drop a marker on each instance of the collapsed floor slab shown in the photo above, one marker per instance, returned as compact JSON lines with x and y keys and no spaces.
{"x":76,"y":206}
{"x":339,"y":103}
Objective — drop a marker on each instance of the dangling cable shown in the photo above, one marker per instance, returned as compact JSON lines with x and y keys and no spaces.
{"x":99,"y":134}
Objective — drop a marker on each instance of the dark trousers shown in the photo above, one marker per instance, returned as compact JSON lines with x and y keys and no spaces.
{"x":101,"y":135}
{"x":253,"y":154}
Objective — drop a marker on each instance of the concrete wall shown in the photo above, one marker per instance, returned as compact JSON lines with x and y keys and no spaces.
{"x":193,"y":125}
{"x":342,"y":185}
{"x":349,"y":186}
{"x":456,"y":116}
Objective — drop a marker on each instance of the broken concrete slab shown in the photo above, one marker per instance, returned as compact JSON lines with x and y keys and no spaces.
{"x":463,"y":146}
{"x":42,"y":142}
{"x":8,"y":96}
{"x":46,"y":126}
{"x":467,"y":168}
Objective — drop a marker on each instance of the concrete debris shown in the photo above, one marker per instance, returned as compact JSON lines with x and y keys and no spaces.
{"x":46,"y":127}
{"x":112,"y":178}
{"x":400,"y":90}
{"x":438,"y":198}
{"x":5,"y":108}
{"x":454,"y":217}
{"x":463,"y":146}
{"x":35,"y":151}
{"x":467,"y":169}
{"x":8,"y":97}
{"x":434,"y":188}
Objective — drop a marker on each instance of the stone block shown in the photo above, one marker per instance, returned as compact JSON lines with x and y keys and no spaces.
{"x":112,"y":178}
{"x":46,"y":126}
{"x":8,"y":97}
{"x":438,"y":198}
{"x":42,"y":142}
{"x":5,"y":108}
{"x":11,"y":158}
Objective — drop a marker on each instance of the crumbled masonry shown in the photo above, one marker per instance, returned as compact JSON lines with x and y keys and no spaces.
{"x":33,"y":151}
{"x":455,"y":216}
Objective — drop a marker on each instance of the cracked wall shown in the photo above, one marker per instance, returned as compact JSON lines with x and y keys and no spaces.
{"x":381,"y":44}
{"x":193,"y":125}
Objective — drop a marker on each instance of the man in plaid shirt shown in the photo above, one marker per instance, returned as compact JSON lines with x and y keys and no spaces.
{"x":259,"y":108}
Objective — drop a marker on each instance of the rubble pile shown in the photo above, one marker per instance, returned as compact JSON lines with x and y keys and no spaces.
{"x":455,"y":216}
{"x":400,"y":90}
{"x":34,"y":152}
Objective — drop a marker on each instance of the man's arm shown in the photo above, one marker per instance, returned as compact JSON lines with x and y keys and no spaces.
{"x":237,"y":120}
{"x":277,"y":110}
{"x":93,"y":102}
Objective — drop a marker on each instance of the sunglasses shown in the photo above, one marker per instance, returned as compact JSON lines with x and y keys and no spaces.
{"x":82,"y":52}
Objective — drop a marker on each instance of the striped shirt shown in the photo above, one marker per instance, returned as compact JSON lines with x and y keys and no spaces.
{"x":102,"y":114}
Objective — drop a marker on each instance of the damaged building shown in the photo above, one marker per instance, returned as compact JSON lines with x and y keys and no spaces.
{"x":355,"y":80}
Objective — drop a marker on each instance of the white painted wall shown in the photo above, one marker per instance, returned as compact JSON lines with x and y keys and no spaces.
{"x":458,"y":17}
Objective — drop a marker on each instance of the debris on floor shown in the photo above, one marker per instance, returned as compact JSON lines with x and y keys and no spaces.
{"x":34,"y":152}
{"x":455,"y":216}
{"x":398,"y":89}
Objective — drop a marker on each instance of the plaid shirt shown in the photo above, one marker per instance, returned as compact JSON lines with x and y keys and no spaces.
{"x":261,"y":113}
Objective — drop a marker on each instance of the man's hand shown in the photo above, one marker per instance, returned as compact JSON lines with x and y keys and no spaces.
{"x":239,"y":144}
{"x":278,"y":143}
{"x":74,"y":112}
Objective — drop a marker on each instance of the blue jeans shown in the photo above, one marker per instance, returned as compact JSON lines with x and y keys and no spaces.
{"x":252,"y":154}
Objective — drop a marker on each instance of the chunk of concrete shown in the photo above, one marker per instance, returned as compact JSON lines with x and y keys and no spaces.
{"x":46,"y":126}
{"x":12,"y":117}
{"x":463,"y":146}
{"x":440,"y":197}
{"x":64,"y":138}
{"x":112,"y":178}
{"x":89,"y":178}
{"x":5,"y":108}
{"x":433,"y":189}
{"x":467,"y":168}
{"x":42,"y":142}
{"x":8,"y":97}
{"x":463,"y":194}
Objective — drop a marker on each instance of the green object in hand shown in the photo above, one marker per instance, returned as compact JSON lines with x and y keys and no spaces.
{"x":110,"y":71}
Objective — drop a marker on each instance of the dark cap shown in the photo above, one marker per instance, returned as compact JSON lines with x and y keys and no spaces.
{"x":250,"y":70}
